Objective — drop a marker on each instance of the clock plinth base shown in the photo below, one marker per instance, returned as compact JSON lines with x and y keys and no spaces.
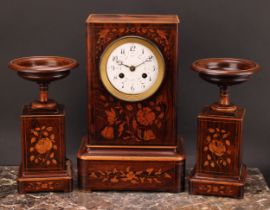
{"x":135,"y":168}
{"x":218,"y":186}
{"x":46,"y":181}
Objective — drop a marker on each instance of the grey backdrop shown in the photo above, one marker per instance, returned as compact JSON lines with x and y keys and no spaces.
{"x":209,"y":28}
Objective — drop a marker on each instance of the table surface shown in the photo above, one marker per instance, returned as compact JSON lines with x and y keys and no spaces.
{"x":257,"y":197}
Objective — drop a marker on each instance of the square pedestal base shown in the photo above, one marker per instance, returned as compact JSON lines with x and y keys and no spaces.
{"x":46,"y":181}
{"x":143,"y":168}
{"x":202,"y":184}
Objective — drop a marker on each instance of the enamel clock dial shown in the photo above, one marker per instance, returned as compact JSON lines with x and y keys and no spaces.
{"x":132,"y":68}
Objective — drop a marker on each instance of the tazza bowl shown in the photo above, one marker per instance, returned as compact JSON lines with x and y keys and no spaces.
{"x":225,"y":71}
{"x":43,"y":68}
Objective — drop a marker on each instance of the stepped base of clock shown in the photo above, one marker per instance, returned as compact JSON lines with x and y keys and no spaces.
{"x":48,"y":181}
{"x":132,"y":168}
{"x":207,"y":184}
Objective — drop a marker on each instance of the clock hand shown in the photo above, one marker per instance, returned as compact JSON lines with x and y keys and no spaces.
{"x":140,"y":64}
{"x":147,"y":60}
{"x":120,"y":63}
{"x":131,"y":68}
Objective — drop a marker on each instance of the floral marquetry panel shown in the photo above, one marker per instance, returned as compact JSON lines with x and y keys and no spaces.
{"x":148,"y":122}
{"x":219,"y":150}
{"x":131,"y":175}
{"x":214,"y":189}
{"x":39,"y":186}
{"x":159,"y":34}
{"x":43,"y":138}
{"x":131,"y":122}
{"x":149,"y":175}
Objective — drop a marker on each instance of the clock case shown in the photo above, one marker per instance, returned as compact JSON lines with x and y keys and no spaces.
{"x":132,"y":145}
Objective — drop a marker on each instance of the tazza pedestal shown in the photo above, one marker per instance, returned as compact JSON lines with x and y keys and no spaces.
{"x":44,"y":165}
{"x":219,"y":169}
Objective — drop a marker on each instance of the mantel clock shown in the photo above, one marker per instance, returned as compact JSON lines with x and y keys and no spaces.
{"x":132,"y":142}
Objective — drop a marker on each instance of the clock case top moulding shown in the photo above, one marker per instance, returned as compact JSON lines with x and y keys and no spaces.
{"x":132,"y":145}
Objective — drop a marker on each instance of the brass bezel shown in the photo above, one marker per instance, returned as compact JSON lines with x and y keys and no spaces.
{"x":103,"y":64}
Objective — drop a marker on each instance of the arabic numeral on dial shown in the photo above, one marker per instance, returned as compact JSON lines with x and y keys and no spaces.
{"x":143,"y":86}
{"x":132,"y":48}
{"x":122,"y":51}
{"x":154,"y":68}
{"x":143,"y":51}
{"x":115,"y":58}
{"x":150,"y":79}
{"x":113,"y":68}
{"x":132,"y":88}
{"x":115,"y":77}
